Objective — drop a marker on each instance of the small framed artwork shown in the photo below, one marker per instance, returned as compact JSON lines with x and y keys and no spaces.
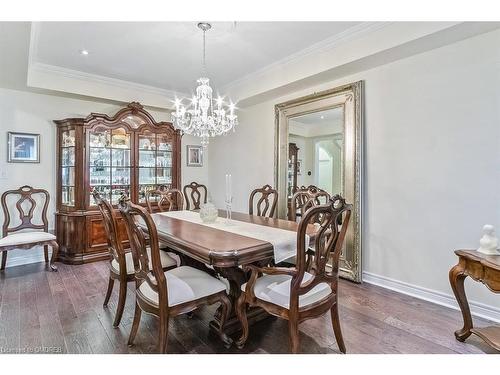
{"x":194,"y":156}
{"x":23,"y":148}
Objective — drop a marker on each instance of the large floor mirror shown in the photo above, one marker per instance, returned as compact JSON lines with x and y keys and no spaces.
{"x":318,"y":147}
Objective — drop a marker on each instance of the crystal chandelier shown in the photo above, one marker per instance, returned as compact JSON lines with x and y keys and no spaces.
{"x":201,"y":117}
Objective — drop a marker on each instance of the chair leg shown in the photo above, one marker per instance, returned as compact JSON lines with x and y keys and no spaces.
{"x":111,"y":283}
{"x":226,"y":309}
{"x":121,"y":302}
{"x":4,"y":260}
{"x":293,"y":335}
{"x":55,"y":252}
{"x":241,"y":312}
{"x":46,"y":253}
{"x":163,"y":333}
{"x":135,"y":324}
{"x":336,"y":327}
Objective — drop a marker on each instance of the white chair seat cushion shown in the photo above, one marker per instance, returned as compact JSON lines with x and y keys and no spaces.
{"x":166,"y":261}
{"x":276,"y":289}
{"x":26,"y":238}
{"x":185,"y":284}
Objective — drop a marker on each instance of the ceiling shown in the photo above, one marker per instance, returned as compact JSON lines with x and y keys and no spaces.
{"x":250,"y":62}
{"x":168,"y":55}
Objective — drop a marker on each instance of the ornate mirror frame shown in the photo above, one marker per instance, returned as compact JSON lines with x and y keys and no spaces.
{"x":350,"y":98}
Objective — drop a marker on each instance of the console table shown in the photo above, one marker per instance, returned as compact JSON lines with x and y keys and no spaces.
{"x":483,"y":268}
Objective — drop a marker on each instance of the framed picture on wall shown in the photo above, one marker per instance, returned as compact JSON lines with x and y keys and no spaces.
{"x":23,"y":148}
{"x":194,"y":156}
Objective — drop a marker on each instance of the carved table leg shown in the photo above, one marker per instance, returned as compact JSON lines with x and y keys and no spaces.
{"x":236,"y":278}
{"x":457,"y":277}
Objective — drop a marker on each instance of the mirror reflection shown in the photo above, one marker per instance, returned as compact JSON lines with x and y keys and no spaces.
{"x":315,"y":152}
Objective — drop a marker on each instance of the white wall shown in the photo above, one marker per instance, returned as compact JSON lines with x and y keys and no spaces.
{"x":432,"y":156}
{"x":33,"y":113}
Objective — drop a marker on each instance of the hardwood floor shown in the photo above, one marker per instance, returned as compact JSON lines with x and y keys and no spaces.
{"x":62,"y":312}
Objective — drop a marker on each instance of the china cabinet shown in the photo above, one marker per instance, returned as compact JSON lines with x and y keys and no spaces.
{"x":293,"y":152}
{"x":128,"y":153}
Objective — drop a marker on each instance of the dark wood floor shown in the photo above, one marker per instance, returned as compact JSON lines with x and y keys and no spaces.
{"x":62,"y":312}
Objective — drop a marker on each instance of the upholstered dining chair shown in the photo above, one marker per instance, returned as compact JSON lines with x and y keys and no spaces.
{"x":121,"y":265}
{"x":26,"y":206}
{"x":198,"y":194}
{"x":165,"y":199}
{"x":166,"y":293}
{"x":266,"y":203}
{"x":294,"y":293}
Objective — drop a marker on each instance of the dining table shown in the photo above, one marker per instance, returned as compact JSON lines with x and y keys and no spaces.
{"x":219,"y":250}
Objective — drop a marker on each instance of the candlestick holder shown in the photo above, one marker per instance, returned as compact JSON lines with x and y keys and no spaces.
{"x":228,"y":209}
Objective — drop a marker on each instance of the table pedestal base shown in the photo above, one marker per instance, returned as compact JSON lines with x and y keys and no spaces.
{"x":233,"y":325}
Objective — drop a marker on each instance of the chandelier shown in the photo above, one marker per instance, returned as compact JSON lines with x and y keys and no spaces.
{"x":203,"y":117}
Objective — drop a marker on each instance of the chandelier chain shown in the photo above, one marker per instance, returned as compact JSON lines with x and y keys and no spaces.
{"x":204,"y":54}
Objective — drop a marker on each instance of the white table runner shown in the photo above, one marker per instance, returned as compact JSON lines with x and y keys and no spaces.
{"x":284,"y":241}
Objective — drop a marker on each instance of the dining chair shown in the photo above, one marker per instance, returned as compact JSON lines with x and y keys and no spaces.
{"x":165,"y":199}
{"x":26,"y":206}
{"x":304,"y":198}
{"x":166,"y":294}
{"x":294,"y":293}
{"x":121,"y":264}
{"x":197,"y":195}
{"x":266,"y":205}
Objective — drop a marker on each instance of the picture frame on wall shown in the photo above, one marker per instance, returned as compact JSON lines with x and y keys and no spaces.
{"x":194,"y":156}
{"x":23,"y":147}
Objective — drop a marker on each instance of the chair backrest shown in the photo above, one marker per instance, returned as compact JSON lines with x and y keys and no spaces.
{"x":197,"y":195}
{"x":266,"y":193}
{"x":328,"y":242}
{"x":110,"y":223}
{"x":305,"y":198}
{"x":142,"y":232}
{"x":25,"y":207}
{"x":165,"y":199}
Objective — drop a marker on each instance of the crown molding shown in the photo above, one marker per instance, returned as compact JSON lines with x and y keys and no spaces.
{"x":57,"y":78}
{"x":95,"y":78}
{"x":332,"y":42}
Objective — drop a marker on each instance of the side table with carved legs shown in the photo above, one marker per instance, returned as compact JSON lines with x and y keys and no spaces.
{"x":485,"y":269}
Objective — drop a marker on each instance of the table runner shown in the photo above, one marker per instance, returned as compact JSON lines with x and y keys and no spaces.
{"x":284,"y":241}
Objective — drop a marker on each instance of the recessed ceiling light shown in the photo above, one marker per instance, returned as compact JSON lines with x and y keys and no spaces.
{"x":84,"y":52}
{"x":322,"y":117}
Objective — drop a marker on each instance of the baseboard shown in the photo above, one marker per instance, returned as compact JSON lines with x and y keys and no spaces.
{"x":477,"y":309}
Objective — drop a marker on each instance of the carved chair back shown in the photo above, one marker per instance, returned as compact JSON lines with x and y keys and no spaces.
{"x":305,"y":198}
{"x":136,"y":218}
{"x":25,"y":207}
{"x":115,"y":246}
{"x":266,"y":205}
{"x":328,"y":242}
{"x":197,"y":195}
{"x":166,"y":199}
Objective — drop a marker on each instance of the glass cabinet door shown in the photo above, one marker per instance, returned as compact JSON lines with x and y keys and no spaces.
{"x":155,"y":163}
{"x":67,"y":162}
{"x":109,"y":163}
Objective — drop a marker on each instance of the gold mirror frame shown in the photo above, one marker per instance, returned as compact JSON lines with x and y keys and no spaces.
{"x":349,"y":97}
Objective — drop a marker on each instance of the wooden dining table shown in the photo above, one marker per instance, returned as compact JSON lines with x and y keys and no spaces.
{"x":201,"y":245}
